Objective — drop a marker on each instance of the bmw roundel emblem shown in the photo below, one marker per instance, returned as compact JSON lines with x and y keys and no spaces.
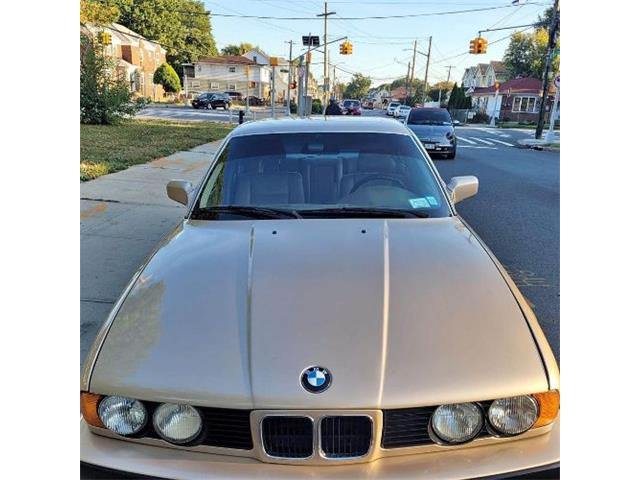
{"x":315,"y":379}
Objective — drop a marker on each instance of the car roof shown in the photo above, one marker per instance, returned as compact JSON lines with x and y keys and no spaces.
{"x":431,"y":108}
{"x":321,"y":124}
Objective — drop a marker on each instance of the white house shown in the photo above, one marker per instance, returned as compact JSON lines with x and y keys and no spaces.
{"x":230,"y":73}
{"x":282,"y":77}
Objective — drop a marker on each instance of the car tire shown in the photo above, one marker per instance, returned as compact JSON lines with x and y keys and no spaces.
{"x":451,"y":156}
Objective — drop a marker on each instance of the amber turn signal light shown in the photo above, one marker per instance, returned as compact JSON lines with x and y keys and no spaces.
{"x":549,"y":403}
{"x":89,"y":408}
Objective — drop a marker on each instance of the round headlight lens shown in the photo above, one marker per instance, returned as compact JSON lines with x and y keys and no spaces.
{"x":513,"y":415}
{"x":124,"y":416}
{"x":177,"y":423}
{"x":457,"y":423}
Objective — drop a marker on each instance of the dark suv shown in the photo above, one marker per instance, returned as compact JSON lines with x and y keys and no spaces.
{"x":211,"y":101}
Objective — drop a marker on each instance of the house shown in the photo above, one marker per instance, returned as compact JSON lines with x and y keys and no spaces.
{"x":399,"y":94}
{"x":282,"y":75}
{"x":518,"y":99}
{"x":496,"y":72}
{"x":379,"y":96}
{"x":468,"y":77}
{"x":137,"y":58}
{"x":230,"y":73}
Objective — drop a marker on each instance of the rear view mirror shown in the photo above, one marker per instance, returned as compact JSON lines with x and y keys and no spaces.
{"x":179,"y":190}
{"x":462,"y":187}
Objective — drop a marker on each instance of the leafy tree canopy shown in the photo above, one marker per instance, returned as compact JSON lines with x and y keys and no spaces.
{"x":180,"y":26}
{"x":526,"y":53}
{"x":97,"y":12}
{"x":239,"y":49}
{"x":357,"y":87}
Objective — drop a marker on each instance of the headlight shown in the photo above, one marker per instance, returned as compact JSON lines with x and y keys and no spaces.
{"x":124,"y":416}
{"x":177,"y":423}
{"x":514,"y":415}
{"x":457,"y":423}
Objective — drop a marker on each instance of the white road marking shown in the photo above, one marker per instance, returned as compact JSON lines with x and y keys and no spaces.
{"x":478,"y":147}
{"x":482,"y":141}
{"x":467,"y":140}
{"x":503,"y":143}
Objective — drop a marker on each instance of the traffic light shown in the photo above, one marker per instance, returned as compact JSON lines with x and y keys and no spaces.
{"x":482,"y":45}
{"x":473,"y":46}
{"x":346,"y":48}
{"x":105,"y":38}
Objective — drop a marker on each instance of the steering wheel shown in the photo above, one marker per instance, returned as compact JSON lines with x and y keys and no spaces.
{"x":377,"y":176}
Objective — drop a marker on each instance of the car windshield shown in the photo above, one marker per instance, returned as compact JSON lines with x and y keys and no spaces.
{"x":351,"y":103}
{"x":429,"y":117}
{"x":203,"y":96}
{"x":321,"y":175}
{"x":393,"y":104}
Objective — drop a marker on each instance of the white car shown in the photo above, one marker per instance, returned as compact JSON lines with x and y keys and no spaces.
{"x":402,"y":112}
{"x":391,"y":107}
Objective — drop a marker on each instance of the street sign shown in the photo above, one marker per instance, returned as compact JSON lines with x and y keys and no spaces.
{"x":313,"y":40}
{"x":556,"y":81}
{"x":273,"y":61}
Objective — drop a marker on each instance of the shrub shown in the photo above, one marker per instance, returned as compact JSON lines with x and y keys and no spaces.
{"x":480,"y":117}
{"x":166,"y":76}
{"x":105,"y":97}
{"x":316,"y":106}
{"x":294,"y":107}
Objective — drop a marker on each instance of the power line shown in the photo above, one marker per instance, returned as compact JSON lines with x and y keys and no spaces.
{"x":373,"y":17}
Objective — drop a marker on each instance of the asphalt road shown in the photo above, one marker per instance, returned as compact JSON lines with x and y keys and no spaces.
{"x":517,"y":214}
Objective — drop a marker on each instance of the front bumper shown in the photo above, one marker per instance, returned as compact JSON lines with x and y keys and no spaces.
{"x":535,"y":457}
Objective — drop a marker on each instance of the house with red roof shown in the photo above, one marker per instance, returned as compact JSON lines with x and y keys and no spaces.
{"x":517,"y":100}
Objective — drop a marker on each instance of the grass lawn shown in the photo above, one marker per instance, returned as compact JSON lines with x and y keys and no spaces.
{"x":109,"y":148}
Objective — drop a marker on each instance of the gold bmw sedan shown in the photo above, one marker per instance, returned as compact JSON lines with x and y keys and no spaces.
{"x":321,"y":311}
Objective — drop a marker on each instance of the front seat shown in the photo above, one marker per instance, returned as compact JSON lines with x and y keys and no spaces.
{"x":269,"y":189}
{"x":370,"y":164}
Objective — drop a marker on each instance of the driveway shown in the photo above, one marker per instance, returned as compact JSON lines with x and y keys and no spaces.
{"x":123,"y":216}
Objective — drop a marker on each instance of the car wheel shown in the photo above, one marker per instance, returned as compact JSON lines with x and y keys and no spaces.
{"x":451,"y":155}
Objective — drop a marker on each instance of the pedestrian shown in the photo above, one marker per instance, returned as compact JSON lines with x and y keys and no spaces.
{"x":333,"y":108}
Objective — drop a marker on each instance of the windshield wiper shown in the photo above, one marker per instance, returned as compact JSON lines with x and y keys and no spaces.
{"x":363,"y":212}
{"x":213,"y":213}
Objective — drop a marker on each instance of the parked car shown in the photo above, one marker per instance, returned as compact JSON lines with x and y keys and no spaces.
{"x":401,"y":112}
{"x":320,"y":304}
{"x":391,"y":107}
{"x":368,"y":104}
{"x":235,"y":96}
{"x":211,"y":101}
{"x":255,"y":101}
{"x":434,"y":129}
{"x":352,"y":107}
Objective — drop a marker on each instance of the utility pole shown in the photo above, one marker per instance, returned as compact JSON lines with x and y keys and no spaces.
{"x":407,"y":83}
{"x":290,"y":42}
{"x":413,"y":65}
{"x":547,"y":65}
{"x":306,"y":74}
{"x":426,"y":70}
{"x":325,"y":79}
{"x":447,"y":84}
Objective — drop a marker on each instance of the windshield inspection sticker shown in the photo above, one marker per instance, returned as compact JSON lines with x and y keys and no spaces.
{"x":433,"y":201}
{"x":419,"y":202}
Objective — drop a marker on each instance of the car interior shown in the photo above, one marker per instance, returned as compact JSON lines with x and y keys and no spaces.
{"x":316,"y":170}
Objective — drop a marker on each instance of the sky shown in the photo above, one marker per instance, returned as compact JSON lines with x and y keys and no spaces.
{"x":381,"y":48}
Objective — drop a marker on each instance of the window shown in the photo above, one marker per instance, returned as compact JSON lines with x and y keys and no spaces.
{"x":214,"y":85}
{"x":231,"y":86}
{"x":319,"y":171}
{"x":232,"y":69}
{"x":195,"y":84}
{"x":525,"y":105}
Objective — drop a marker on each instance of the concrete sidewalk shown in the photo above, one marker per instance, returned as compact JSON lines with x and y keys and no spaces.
{"x":122,"y":218}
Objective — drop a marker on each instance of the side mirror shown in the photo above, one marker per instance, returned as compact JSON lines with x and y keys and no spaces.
{"x":179,"y":190}
{"x":462,"y":187}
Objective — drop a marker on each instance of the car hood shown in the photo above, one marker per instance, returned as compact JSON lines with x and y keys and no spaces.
{"x":430,"y":131}
{"x":403,"y":312}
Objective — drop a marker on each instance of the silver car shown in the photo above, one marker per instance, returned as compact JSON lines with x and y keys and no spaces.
{"x":434,"y":128}
{"x":321,"y":311}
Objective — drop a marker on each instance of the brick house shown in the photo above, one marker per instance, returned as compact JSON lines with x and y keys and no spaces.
{"x":518,"y":99}
{"x":137,"y":58}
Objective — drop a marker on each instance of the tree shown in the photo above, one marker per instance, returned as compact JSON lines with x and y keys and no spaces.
{"x":239,"y":49}
{"x":357,"y":87}
{"x":105,"y":97}
{"x":180,"y":26}
{"x":97,"y":12}
{"x":439,"y":90}
{"x":166,"y":76}
{"x":526,"y":53}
